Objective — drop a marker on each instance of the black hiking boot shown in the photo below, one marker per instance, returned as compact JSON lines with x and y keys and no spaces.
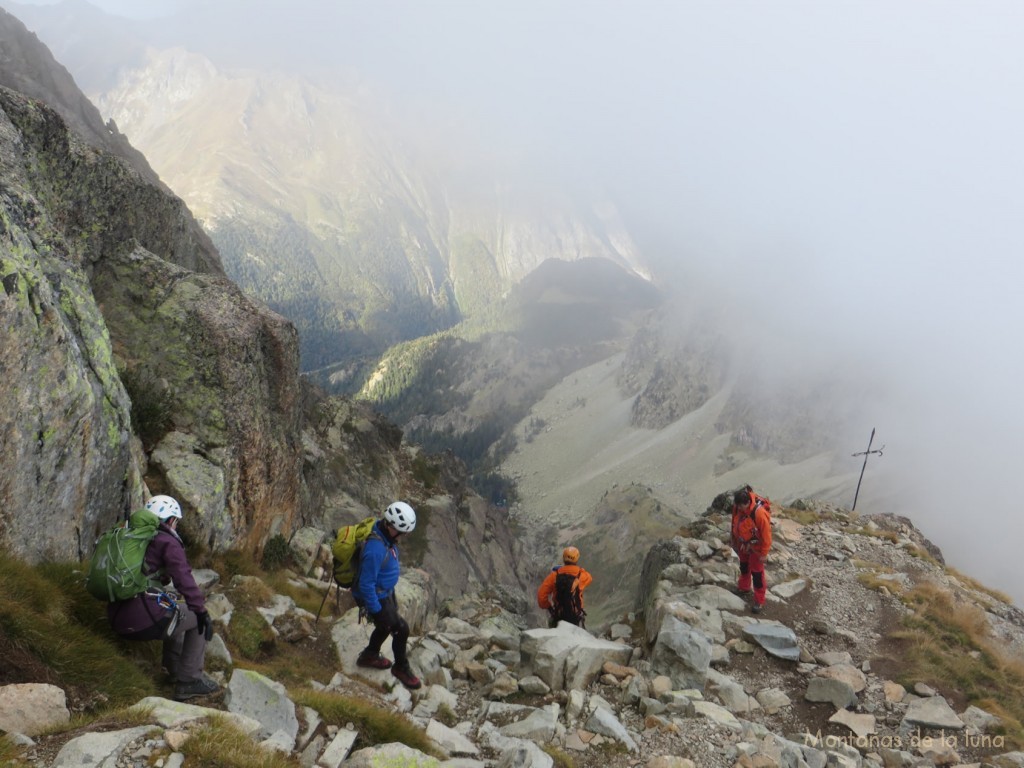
{"x":191,"y":689}
{"x":757,"y":607}
{"x":373,"y":661}
{"x":406,"y":677}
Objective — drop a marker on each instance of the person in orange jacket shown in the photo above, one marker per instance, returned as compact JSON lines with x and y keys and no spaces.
{"x":751,"y":540}
{"x":561,"y":593}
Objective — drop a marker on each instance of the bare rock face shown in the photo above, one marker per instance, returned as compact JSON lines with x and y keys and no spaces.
{"x":99,"y":271}
{"x":68,"y":468}
{"x":27,"y":66}
{"x":231,"y":371}
{"x":467,"y":544}
{"x":350,"y":461}
{"x":669,"y":378}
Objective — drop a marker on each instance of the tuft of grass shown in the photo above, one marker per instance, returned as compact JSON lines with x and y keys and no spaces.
{"x":10,"y":753}
{"x":922,"y":554}
{"x":875,"y":582}
{"x":948,"y":645}
{"x":52,"y":630}
{"x":872,"y":576}
{"x":802,"y":516}
{"x":306,"y":597}
{"x":806,"y":516}
{"x":561,"y":758}
{"x":446,"y":716}
{"x":251,"y":593}
{"x":976,"y":585}
{"x":235,"y":562}
{"x":375,"y":725}
{"x":105,"y":719}
{"x":878,"y":533}
{"x":220,"y":744}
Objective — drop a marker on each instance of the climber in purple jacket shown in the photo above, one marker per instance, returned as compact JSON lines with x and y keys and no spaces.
{"x":150,"y":615}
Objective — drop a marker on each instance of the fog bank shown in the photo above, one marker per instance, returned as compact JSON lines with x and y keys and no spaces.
{"x":848,"y":175}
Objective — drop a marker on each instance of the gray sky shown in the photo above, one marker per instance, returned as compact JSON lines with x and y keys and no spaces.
{"x":855,"y":166}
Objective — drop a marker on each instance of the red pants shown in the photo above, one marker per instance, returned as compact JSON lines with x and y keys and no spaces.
{"x":752,"y":569}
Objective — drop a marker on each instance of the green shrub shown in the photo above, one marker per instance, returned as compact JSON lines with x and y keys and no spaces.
{"x":276,"y":554}
{"x":426,"y":472}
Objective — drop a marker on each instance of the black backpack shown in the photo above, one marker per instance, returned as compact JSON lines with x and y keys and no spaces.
{"x":568,"y":605}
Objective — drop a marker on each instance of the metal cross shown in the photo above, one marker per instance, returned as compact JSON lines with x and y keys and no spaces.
{"x":865,"y":454}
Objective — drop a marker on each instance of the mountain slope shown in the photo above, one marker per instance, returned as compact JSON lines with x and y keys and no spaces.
{"x":350,"y":226}
{"x":588,"y":444}
{"x":133,"y":366}
{"x":464,"y":389}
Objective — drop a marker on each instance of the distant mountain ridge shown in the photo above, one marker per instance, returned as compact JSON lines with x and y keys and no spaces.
{"x":338,"y":219}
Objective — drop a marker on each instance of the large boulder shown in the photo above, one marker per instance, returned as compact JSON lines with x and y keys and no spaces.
{"x":567,"y":657}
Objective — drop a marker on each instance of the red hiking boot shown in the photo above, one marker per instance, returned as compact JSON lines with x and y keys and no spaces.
{"x":376,"y":661}
{"x":406,"y":677}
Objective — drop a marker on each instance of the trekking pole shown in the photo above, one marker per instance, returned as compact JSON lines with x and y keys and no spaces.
{"x":864,"y":466}
{"x":330,"y":583}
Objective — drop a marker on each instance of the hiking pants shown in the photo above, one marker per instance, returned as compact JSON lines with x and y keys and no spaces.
{"x":388,"y":622}
{"x":185,"y":651}
{"x":752,"y":570}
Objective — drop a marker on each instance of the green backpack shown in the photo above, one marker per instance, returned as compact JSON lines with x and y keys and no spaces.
{"x":115,"y":570}
{"x":348,"y":546}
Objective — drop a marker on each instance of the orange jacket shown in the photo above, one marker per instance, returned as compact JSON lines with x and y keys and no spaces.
{"x":751,"y":527}
{"x":546,"y":593}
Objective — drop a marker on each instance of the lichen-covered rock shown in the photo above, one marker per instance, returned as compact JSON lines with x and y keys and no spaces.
{"x":68,"y":468}
{"x":104,"y":273}
{"x":231,"y":368}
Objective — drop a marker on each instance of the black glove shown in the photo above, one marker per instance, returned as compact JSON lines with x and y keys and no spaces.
{"x":204,"y":626}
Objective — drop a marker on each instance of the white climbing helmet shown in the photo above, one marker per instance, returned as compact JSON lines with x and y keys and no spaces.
{"x":164,"y":507}
{"x":402,"y":516}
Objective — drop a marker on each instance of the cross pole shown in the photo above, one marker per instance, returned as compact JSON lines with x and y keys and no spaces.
{"x":864,"y":466}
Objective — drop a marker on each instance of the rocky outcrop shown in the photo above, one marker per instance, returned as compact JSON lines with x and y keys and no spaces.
{"x":229,"y":369}
{"x":99,"y":280}
{"x":69,"y":468}
{"x":28,"y":66}
{"x":139,"y":205}
{"x":671,"y":375}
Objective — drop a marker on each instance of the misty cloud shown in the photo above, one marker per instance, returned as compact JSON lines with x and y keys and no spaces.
{"x":838,"y":185}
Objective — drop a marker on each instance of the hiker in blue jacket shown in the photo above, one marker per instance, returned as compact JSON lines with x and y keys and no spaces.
{"x":149,"y":615}
{"x":374,"y":592}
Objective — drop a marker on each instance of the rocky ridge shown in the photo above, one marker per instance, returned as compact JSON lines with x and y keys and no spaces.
{"x":693,"y":679}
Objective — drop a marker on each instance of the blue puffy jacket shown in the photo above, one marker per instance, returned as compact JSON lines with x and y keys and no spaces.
{"x":378,"y":569}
